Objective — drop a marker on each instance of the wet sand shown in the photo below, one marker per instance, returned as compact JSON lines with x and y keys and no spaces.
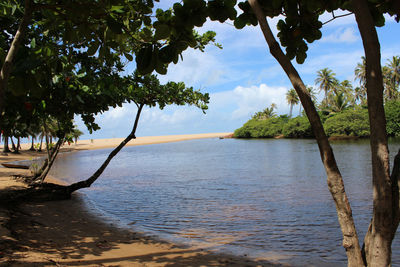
{"x":66,"y":233}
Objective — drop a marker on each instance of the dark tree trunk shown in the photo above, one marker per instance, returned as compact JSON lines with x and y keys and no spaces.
{"x":12,"y":144}
{"x":334,"y":177}
{"x":7,"y":65}
{"x":6,"y":148}
{"x":45,"y":170}
{"x":32,"y":144}
{"x":96,"y":175}
{"x":18,"y":144}
{"x":41,"y":143}
{"x":45,"y":191}
{"x":378,"y":239}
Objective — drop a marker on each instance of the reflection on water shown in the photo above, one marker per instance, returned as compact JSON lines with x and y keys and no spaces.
{"x":264,"y":198}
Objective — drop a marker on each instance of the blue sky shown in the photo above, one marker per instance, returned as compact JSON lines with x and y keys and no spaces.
{"x":243,"y":78}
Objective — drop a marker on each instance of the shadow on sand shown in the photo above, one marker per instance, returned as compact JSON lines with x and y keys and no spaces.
{"x":64,"y":233}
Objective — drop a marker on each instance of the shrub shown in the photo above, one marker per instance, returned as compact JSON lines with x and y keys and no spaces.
{"x":261,"y":128}
{"x":392,"y":111}
{"x":298,"y":127}
{"x":348,"y":123}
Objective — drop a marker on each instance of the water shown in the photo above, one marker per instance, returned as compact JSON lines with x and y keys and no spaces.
{"x":264,"y":198}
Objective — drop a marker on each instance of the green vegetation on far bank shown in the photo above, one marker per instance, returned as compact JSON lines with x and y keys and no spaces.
{"x":343,"y":110}
{"x":350,"y":122}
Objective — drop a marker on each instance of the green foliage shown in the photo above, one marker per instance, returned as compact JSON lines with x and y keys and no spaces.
{"x":261,"y":128}
{"x":348,"y":123}
{"x":302,"y":20}
{"x":298,"y":127}
{"x":392,"y":111}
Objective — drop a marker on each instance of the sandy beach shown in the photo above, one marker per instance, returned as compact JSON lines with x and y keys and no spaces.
{"x":66,"y":233}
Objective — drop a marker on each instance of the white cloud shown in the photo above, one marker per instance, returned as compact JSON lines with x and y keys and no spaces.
{"x":342,"y":35}
{"x":116,"y":113}
{"x":203,"y":69}
{"x":169,"y":116}
{"x":242,"y":102}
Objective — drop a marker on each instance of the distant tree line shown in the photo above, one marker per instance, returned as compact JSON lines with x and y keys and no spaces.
{"x":343,"y":109}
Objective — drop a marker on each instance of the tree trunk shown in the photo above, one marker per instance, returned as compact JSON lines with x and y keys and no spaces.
{"x":93,"y":178}
{"x":41,"y":143}
{"x":33,"y":144}
{"x":290,"y":111}
{"x":7,"y":65}
{"x":51,"y":160}
{"x":18,"y":144}
{"x":6,"y":148}
{"x":12,"y":143}
{"x":334,"y":177}
{"x":46,"y":192}
{"x":378,"y":239}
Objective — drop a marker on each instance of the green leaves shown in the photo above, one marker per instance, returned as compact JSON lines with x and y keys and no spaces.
{"x":163,"y":31}
{"x":93,"y":48}
{"x":145,"y":59}
{"x":222,"y":10}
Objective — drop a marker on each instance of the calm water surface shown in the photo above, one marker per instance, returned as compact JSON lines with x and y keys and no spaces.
{"x":265,"y":198}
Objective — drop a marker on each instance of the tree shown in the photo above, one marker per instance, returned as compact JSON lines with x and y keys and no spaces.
{"x":144,"y":91}
{"x":391,"y":76}
{"x":313,"y":96}
{"x":360,"y":74}
{"x":292,"y":99}
{"x":339,"y":102}
{"x":51,"y":33}
{"x":301,"y":24}
{"x":266,"y":113}
{"x":326,"y":81}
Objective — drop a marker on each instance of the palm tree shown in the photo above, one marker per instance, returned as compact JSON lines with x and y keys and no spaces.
{"x":360,"y":94}
{"x":75,"y":133}
{"x":339,"y":102}
{"x":326,"y":81}
{"x":292,"y":99}
{"x":360,"y":73}
{"x":347,"y":89}
{"x":266,"y":113}
{"x":312,"y":93}
{"x":391,"y":76}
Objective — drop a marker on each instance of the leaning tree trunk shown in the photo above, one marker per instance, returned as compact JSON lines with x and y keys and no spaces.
{"x":7,"y":65}
{"x":378,"y":239}
{"x":334,"y":177}
{"x":48,"y":191}
{"x":6,"y":148}
{"x":52,"y":157}
{"x":96,"y":175}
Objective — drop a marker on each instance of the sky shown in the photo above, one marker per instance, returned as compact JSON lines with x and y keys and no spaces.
{"x":242,"y":78}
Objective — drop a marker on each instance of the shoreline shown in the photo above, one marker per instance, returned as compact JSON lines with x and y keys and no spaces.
{"x":67,"y":233}
{"x":144,"y":140}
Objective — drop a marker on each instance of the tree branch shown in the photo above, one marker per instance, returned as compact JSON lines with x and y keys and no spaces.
{"x":96,"y":175}
{"x":335,"y":17}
